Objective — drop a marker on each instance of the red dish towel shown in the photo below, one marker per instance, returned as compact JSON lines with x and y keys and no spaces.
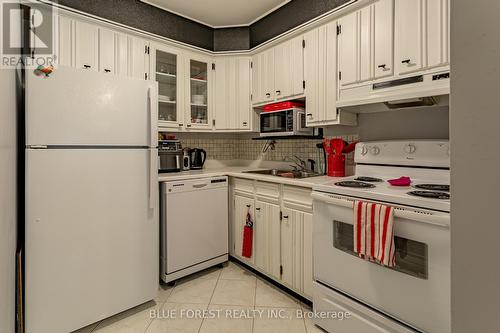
{"x":246,"y":251}
{"x":374,"y":232}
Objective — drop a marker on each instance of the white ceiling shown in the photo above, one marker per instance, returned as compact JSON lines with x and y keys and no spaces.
{"x":220,"y":13}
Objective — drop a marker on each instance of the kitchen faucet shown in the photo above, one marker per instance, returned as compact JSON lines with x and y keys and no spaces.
{"x":298,"y":163}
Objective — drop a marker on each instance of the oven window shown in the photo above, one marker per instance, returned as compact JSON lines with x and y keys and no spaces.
{"x":273,"y":122}
{"x":411,"y":256}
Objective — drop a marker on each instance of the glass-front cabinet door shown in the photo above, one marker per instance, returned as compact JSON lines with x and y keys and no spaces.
{"x":169,"y":77}
{"x":198,"y":97}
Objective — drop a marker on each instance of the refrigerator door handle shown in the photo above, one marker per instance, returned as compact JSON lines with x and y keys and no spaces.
{"x":153,"y":169}
{"x":153,"y":116}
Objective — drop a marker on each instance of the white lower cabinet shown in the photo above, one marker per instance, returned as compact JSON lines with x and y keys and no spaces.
{"x":241,"y":206}
{"x":292,"y":261}
{"x":282,"y":232}
{"x":267,"y":237}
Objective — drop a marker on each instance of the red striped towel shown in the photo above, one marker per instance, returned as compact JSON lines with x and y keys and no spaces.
{"x":374,"y":232}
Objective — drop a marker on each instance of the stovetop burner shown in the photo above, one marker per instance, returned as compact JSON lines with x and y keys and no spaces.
{"x":368,"y":179}
{"x":354,"y":184}
{"x":434,"y":187}
{"x":430,"y":194}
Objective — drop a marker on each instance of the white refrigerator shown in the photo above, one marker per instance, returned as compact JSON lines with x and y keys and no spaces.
{"x":91,"y":222}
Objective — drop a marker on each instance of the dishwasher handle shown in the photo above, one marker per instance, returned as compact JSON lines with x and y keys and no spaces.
{"x":200,"y":185}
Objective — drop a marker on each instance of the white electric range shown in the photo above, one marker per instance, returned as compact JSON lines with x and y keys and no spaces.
{"x":414,"y":295}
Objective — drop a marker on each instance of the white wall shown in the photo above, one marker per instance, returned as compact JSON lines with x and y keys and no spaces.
{"x":7,"y":200}
{"x":475,"y":164}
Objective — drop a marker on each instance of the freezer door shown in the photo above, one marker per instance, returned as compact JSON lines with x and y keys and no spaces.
{"x":91,"y":236}
{"x":85,"y":108}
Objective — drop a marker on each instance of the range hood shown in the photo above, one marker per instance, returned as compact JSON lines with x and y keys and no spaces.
{"x":428,"y":90}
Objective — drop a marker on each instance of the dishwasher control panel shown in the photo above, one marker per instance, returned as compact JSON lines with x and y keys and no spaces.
{"x":196,"y":184}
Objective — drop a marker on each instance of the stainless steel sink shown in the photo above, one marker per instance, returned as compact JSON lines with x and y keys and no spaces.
{"x":285,"y":173}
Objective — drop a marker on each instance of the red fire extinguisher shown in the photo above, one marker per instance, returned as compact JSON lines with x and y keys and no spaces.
{"x":247,"y":235}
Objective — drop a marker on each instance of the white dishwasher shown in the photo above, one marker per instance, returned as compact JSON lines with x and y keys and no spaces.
{"x":194,"y":226}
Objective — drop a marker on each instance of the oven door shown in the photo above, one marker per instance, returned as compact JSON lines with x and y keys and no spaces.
{"x":276,"y":123}
{"x":415,"y":292}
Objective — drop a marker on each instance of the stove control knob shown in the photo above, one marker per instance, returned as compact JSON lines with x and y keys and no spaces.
{"x":375,"y":150}
{"x":410,"y":149}
{"x":364,"y":150}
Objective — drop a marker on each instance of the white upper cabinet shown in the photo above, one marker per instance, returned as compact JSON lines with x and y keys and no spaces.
{"x":66,"y":47}
{"x":289,"y":68}
{"x":282,"y":73}
{"x":198,"y":88}
{"x":263,"y":77}
{"x":168,"y":73}
{"x":107,"y":50}
{"x":422,"y":34}
{"x":267,"y":72}
{"x":348,"y":43}
{"x":138,"y":58}
{"x":437,"y":32}
{"x":365,"y":43}
{"x":409,"y":36}
{"x":86,"y":46}
{"x":246,"y":115}
{"x":383,"y":44}
{"x":232,"y":93}
{"x":313,"y":69}
{"x":121,"y":54}
{"x":278,"y":73}
{"x":320,"y":73}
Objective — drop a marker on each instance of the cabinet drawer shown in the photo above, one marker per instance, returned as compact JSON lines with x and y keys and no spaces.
{"x":297,"y":197}
{"x":267,"y":190}
{"x":243,"y":185}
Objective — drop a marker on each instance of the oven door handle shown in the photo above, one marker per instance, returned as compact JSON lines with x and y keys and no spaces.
{"x":434,"y":218}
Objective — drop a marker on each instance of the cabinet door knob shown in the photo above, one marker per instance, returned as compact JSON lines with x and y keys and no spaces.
{"x":285,"y":216}
{"x":406,"y":61}
{"x":248,"y":206}
{"x":382,"y":66}
{"x":309,"y":114}
{"x":181,"y":125}
{"x":268,"y":94}
{"x":86,"y":66}
{"x":188,"y":125}
{"x":107,"y":70}
{"x":258,"y":208}
{"x":245,"y":123}
{"x":278,"y":92}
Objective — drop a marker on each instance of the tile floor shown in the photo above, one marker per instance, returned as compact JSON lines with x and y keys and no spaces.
{"x":224,"y":293}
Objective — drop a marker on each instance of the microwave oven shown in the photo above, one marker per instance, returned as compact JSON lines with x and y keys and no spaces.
{"x":284,"y":123}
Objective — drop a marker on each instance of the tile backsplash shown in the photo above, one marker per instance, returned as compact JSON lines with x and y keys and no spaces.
{"x":238,"y":148}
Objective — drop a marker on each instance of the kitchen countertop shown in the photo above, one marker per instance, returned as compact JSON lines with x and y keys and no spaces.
{"x":233,"y":171}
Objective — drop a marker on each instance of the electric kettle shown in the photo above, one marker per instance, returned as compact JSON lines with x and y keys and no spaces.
{"x":198,"y":157}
